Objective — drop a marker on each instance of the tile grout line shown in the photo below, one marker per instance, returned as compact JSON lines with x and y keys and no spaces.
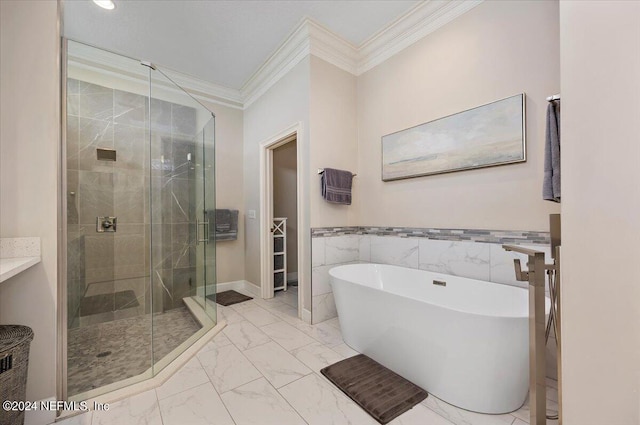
{"x":287,"y":401}
{"x":222,"y":401}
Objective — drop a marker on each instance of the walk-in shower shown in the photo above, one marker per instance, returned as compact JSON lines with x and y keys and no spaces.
{"x":139,"y":199}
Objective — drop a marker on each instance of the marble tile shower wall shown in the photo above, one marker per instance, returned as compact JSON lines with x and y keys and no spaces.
{"x":106,"y":263}
{"x":478,"y":260}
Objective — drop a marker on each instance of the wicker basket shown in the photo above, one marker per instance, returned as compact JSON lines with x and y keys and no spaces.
{"x":14,"y":362}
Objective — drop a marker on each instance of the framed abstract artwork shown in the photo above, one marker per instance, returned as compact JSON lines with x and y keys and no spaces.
{"x":485,"y":136}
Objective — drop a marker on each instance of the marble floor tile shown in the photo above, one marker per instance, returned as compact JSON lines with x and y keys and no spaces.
{"x":246,"y":363}
{"x":316,"y":356}
{"x":190,"y":375}
{"x":83,"y":419}
{"x":259,"y":316}
{"x":523,"y":413}
{"x":420,"y":415}
{"x":219,"y":340}
{"x":275,"y":364}
{"x":464,"y":417}
{"x":141,"y":409}
{"x":198,"y":406}
{"x":245,"y":305}
{"x":245,"y":335}
{"x":258,"y":403}
{"x":319,"y":404}
{"x":287,"y":336}
{"x":229,"y":315}
{"x":335,"y":322}
{"x":344,"y":350}
{"x":322,"y":332}
{"x":227,"y":368}
{"x":289,"y":297}
{"x":268,"y":303}
{"x":285,"y":312}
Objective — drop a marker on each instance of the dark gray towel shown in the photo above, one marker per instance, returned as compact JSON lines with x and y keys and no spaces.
{"x":225,"y":227}
{"x":336,"y":186}
{"x":551,"y":182}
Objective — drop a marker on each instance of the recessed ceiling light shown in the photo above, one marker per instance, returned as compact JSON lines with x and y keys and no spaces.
{"x":105,"y":4}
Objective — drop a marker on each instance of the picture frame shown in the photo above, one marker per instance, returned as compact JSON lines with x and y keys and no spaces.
{"x":488,"y":135}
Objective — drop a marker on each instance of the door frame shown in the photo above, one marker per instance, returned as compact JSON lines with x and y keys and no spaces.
{"x":287,"y":135}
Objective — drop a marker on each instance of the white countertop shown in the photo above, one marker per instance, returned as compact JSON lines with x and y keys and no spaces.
{"x":17,"y":255}
{"x":10,"y":267}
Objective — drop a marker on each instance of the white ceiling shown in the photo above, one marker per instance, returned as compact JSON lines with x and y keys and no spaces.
{"x":223,"y":42}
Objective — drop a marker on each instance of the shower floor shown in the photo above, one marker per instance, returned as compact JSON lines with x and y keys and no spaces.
{"x":105,"y":353}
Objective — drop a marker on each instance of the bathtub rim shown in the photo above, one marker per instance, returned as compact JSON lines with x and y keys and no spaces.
{"x":547,"y":304}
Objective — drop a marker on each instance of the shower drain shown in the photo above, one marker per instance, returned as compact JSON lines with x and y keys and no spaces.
{"x":103,"y":354}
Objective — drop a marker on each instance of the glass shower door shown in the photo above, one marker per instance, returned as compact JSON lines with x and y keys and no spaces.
{"x":140,"y":228}
{"x":182,"y":198}
{"x":108,"y":328}
{"x":206,"y":219}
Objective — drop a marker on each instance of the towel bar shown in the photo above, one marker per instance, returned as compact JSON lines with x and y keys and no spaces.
{"x":321,"y":170}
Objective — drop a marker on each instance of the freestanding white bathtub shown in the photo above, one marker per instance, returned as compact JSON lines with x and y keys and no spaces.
{"x":467,"y":342}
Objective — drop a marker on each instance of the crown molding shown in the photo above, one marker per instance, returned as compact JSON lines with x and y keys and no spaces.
{"x":414,"y":25}
{"x":307,"y":38}
{"x":332,"y":48}
{"x":294,"y":48}
{"x":310,"y":37}
{"x":118,"y":66}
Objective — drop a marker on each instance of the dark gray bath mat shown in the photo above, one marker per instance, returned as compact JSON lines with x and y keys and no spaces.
{"x":383,"y":394}
{"x":105,"y":303}
{"x":228,"y":297}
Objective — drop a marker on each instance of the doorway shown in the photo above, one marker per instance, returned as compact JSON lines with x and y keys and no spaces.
{"x":285,"y":222}
{"x":281,"y":182}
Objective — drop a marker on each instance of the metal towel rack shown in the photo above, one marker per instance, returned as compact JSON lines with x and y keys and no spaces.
{"x":321,"y":170}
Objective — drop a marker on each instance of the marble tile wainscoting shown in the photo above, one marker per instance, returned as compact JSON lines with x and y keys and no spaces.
{"x":475,"y":254}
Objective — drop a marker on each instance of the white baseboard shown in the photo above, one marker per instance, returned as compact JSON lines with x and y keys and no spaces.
{"x":40,"y":417}
{"x":242,"y":286}
{"x":253,"y":290}
{"x":292,"y":276}
{"x":235,"y":285}
{"x":306,"y":316}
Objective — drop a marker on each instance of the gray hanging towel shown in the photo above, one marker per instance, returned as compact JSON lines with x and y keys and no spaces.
{"x":336,"y":186}
{"x":551,"y":182}
{"x":225,"y":227}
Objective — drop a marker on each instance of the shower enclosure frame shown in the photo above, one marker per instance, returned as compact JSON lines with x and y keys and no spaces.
{"x":62,"y":210}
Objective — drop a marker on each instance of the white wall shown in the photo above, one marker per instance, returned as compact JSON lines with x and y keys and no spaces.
{"x":496,"y":50}
{"x":285,"y":197}
{"x":29,"y":138}
{"x":600,"y":58}
{"x":283,"y":105}
{"x":333,"y":139}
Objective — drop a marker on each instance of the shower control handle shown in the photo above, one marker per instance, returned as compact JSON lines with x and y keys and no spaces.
{"x":106,"y":224}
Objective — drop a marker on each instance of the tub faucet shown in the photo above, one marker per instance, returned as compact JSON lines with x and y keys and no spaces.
{"x":537,"y":359}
